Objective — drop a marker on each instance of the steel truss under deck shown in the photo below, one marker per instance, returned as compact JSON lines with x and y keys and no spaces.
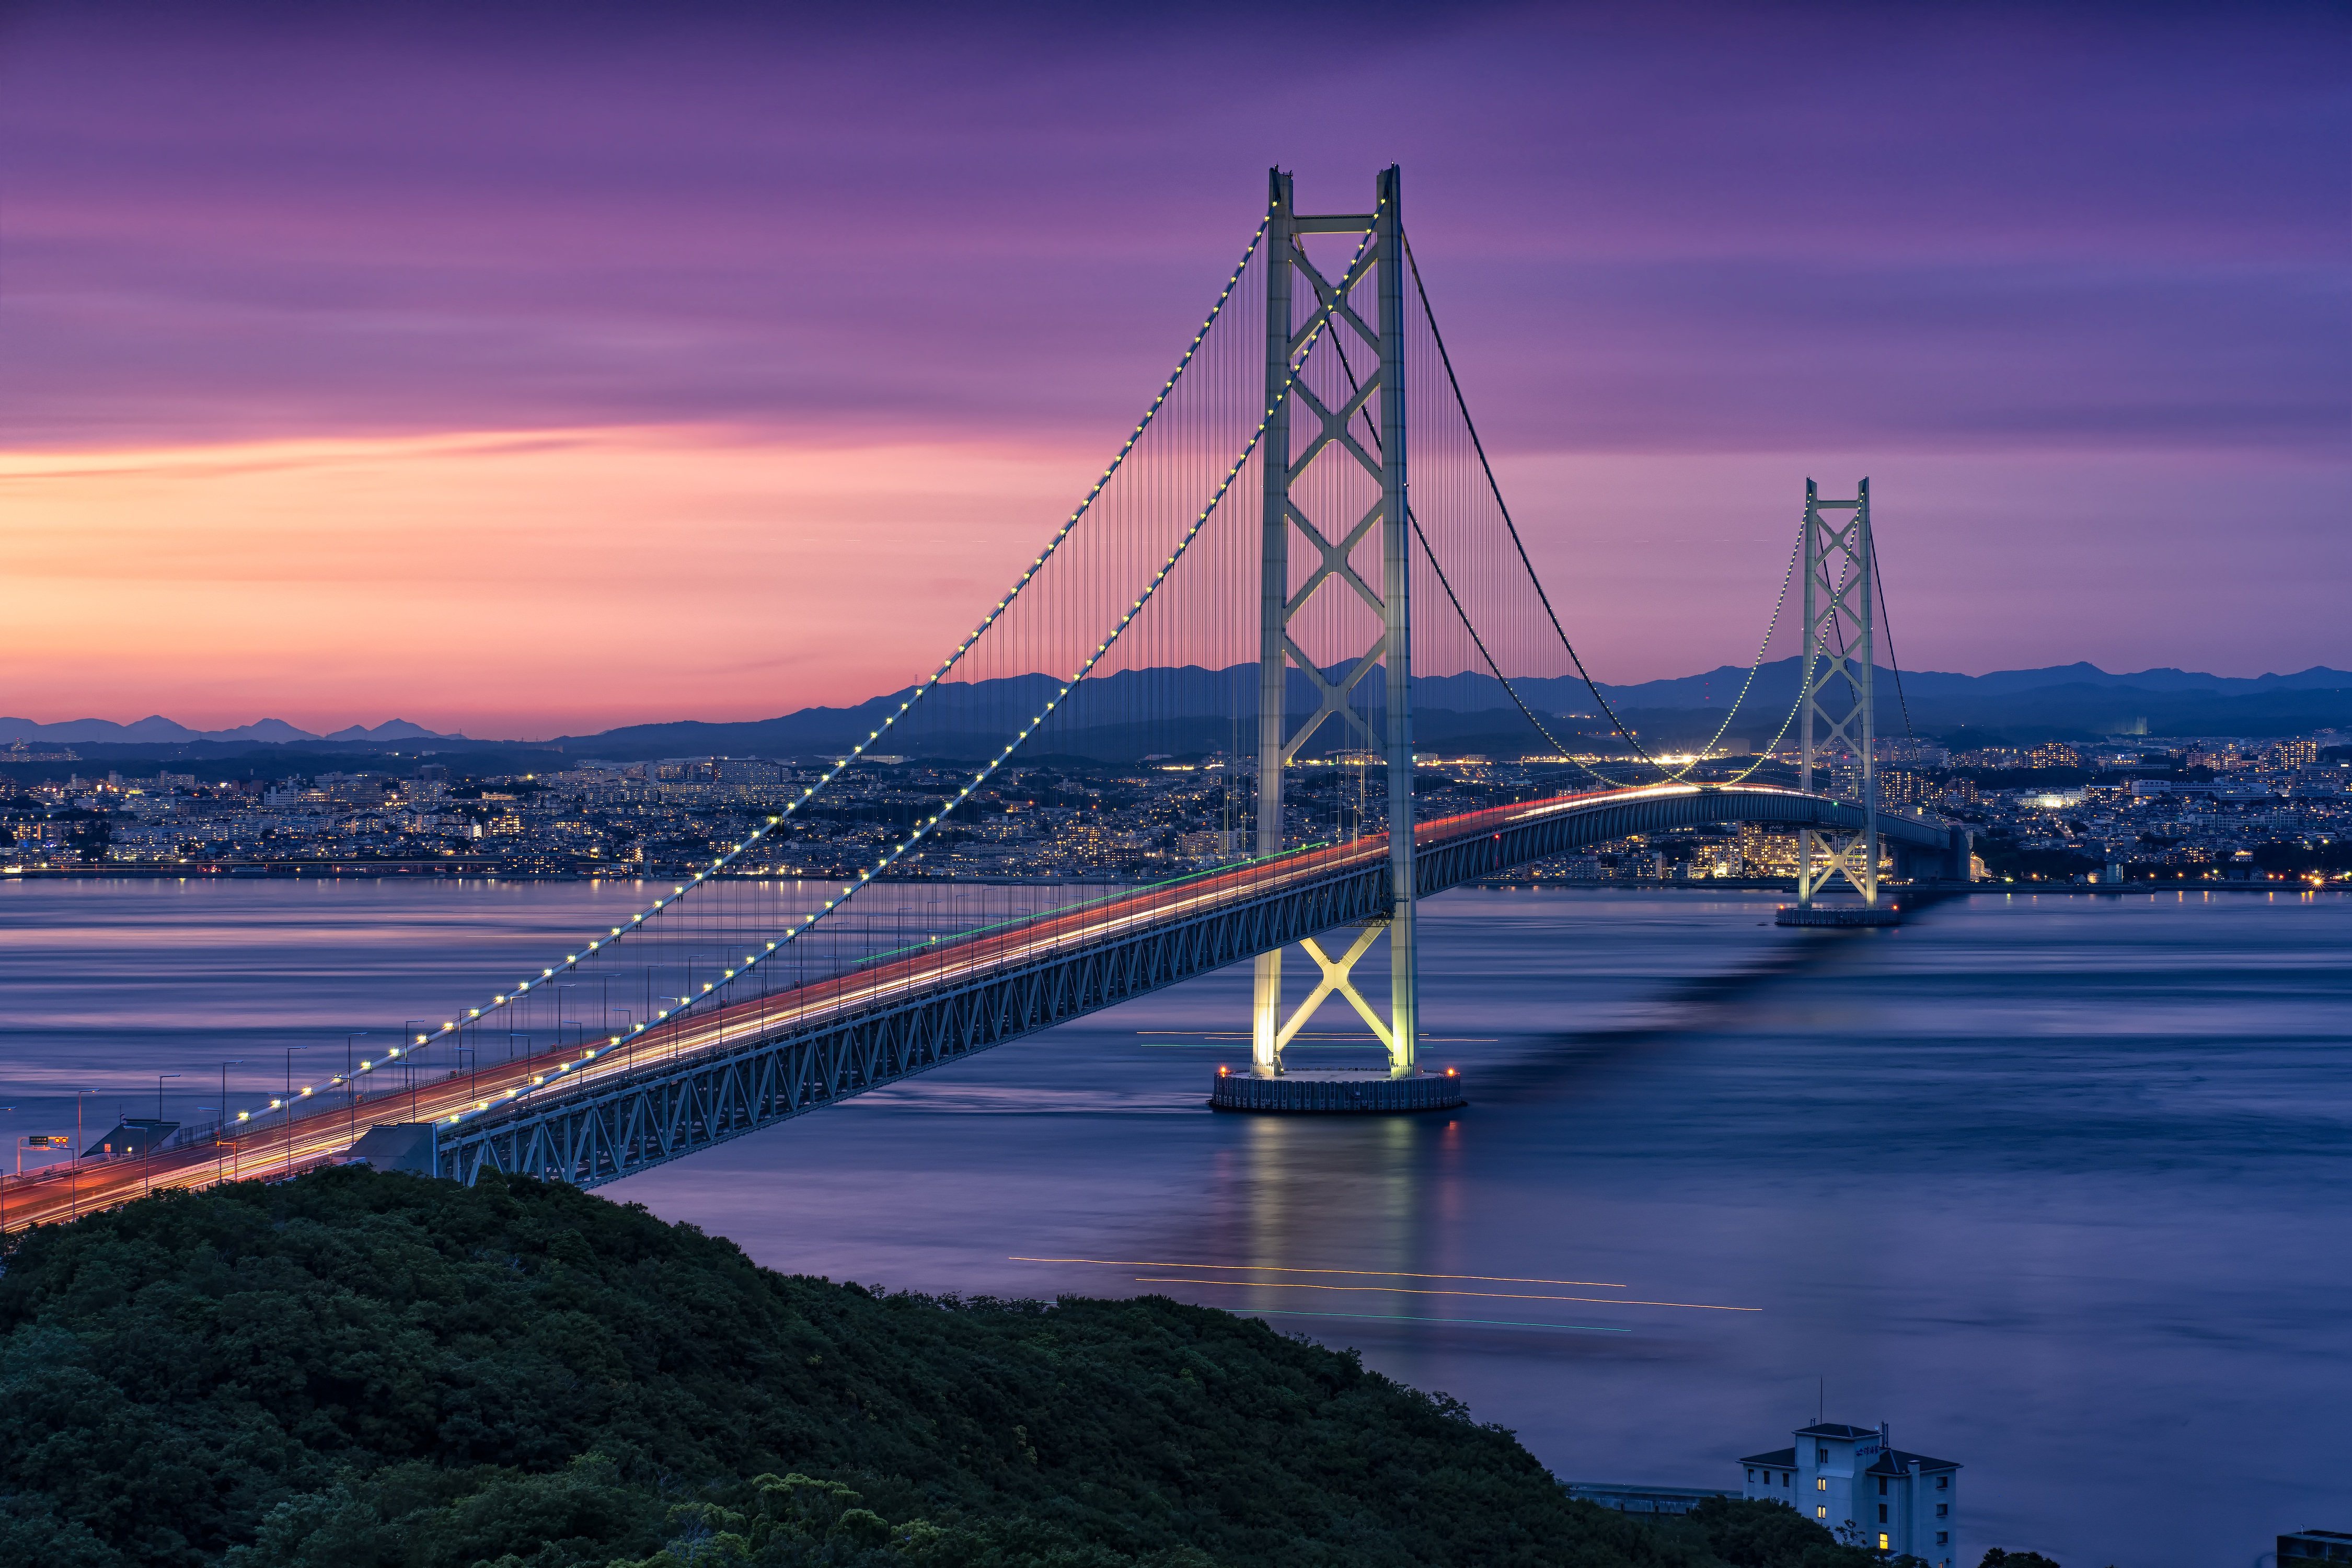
{"x":602,"y":1132}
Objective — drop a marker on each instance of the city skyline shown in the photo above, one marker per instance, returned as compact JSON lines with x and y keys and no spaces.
{"x":520,"y":384}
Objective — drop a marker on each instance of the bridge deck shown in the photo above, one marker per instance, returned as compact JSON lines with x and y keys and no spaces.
{"x":592,"y":1117}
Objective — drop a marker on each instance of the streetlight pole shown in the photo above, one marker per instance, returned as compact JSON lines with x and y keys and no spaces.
{"x":147,"y":1155}
{"x":351,"y":1086}
{"x":73,"y":1181}
{"x":220,"y":1158}
{"x":412,"y":1034}
{"x":290,"y":1106}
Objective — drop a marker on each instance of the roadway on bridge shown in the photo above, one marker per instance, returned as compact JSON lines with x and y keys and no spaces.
{"x":327,"y":1133}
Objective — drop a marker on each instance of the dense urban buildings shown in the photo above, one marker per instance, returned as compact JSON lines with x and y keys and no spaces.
{"x":2206,"y":810}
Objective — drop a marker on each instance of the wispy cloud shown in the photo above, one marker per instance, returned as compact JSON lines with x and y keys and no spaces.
{"x":280,"y":287}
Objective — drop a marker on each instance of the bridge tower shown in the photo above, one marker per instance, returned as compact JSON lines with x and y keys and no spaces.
{"x":1838,"y":717}
{"x":1332,"y":304}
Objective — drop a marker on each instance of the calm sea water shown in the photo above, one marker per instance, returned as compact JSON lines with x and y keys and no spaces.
{"x":2057,"y":1187}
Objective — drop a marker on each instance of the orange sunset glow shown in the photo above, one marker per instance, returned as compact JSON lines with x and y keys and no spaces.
{"x":518,"y":585}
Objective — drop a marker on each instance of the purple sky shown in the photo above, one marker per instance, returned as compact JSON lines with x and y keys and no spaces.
{"x":2073,"y":285}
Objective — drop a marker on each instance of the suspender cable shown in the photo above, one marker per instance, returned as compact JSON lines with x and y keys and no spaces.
{"x":1518,"y":544}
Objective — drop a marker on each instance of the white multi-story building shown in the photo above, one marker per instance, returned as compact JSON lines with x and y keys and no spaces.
{"x":1851,"y":1479}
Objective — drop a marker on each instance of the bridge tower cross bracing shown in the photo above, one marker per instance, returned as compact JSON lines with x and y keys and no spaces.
{"x":1334,"y":541}
{"x":1838,"y":711}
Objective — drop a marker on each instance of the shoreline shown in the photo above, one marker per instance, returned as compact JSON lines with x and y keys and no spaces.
{"x":410,"y":871}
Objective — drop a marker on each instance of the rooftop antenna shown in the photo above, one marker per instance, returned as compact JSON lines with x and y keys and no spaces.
{"x":1821,"y":1398}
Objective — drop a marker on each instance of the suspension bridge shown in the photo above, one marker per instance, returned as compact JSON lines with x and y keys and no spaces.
{"x":1239,"y":586}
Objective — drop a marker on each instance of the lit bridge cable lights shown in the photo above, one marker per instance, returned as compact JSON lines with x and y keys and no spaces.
{"x":1094,"y":493}
{"x":1306,"y":887}
{"x":1315,"y":327}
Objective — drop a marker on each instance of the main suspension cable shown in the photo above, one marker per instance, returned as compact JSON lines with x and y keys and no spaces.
{"x":637,"y":922}
{"x":923,"y":826}
{"x":1878,"y":583}
{"x":1495,"y":487}
{"x":1480,"y":643}
{"x":1429,"y":314}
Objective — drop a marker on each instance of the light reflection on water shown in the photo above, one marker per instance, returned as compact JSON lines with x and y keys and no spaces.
{"x":2057,"y":1187}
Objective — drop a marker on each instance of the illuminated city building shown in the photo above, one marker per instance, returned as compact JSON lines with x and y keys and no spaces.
{"x":1851,"y":1480}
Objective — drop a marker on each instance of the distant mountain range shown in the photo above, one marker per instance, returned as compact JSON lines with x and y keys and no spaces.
{"x":157,"y":729}
{"x":1698,"y":691}
{"x":1196,"y":709}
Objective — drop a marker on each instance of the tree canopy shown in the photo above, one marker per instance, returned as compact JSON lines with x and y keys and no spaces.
{"x":355,"y":1370}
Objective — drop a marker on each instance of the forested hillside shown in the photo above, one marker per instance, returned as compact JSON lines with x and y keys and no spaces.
{"x":366,"y":1370}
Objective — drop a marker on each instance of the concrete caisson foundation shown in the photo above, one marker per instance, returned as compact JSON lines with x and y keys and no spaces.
{"x":1326,"y":1093}
{"x":1838,"y":917}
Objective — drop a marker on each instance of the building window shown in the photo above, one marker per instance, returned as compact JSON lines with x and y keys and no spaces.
{"x":1943,"y":1483}
{"x":1820,"y":1483}
{"x":1942,"y":1509}
{"x":1820,"y":1513}
{"x":1751,"y":1472}
{"x":1821,"y":1456}
{"x":1943,"y":1538}
{"x":1882,"y":1513}
{"x":1881,"y":1540}
{"x":1882,"y":1486}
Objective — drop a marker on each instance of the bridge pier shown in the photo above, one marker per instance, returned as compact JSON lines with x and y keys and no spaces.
{"x":1338,"y":980}
{"x":1353,"y":455}
{"x":1837,"y":700}
{"x":1359,"y":436}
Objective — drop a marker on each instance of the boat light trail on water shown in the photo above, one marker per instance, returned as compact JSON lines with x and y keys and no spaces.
{"x":1409,"y":1290}
{"x":1407,"y":1318}
{"x":1358,"y":1273}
